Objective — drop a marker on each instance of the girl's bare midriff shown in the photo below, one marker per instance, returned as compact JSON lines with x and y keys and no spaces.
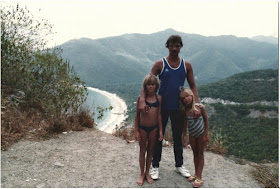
{"x":149,"y":119}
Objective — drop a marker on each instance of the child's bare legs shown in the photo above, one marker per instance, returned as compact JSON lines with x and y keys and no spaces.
{"x":198,"y":149}
{"x":152,"y":137}
{"x":142,"y":144}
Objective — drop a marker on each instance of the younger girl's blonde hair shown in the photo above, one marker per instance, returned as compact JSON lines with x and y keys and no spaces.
{"x":183,"y":106}
{"x":150,"y":79}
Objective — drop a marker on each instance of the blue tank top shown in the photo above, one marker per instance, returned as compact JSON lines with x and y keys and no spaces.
{"x":171,"y":79}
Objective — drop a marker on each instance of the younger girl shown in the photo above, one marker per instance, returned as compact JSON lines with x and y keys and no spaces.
{"x":148,"y":125}
{"x":198,"y":130}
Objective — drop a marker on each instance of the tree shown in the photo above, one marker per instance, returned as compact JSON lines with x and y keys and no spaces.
{"x":49,"y":82}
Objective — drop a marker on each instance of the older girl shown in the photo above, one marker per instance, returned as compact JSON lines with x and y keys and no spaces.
{"x":148,"y":126}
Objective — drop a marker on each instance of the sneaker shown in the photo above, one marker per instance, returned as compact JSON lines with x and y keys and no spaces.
{"x":154,"y":173}
{"x":184,"y":172}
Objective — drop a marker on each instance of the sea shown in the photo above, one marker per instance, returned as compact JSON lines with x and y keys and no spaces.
{"x":94,"y":100}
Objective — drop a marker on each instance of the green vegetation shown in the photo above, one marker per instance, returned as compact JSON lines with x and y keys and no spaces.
{"x":232,"y":130}
{"x":260,"y":85}
{"x":254,"y":139}
{"x":40,"y":92}
{"x":46,"y":80}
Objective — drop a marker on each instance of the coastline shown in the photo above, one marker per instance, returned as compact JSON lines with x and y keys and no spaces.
{"x":118,"y":115}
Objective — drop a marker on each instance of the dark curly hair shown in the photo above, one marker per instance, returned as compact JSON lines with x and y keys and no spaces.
{"x":174,"y":39}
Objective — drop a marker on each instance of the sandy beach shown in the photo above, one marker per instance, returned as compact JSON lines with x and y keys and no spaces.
{"x":114,"y":121}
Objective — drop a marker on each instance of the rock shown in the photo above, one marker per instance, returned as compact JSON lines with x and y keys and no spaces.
{"x":267,"y":114}
{"x":130,"y":141}
{"x":42,"y":185}
{"x":57,"y":164}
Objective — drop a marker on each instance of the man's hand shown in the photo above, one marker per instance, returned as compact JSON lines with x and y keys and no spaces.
{"x":142,"y":105}
{"x":198,"y":113}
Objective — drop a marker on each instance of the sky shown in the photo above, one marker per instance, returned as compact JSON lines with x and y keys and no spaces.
{"x":74,"y":19}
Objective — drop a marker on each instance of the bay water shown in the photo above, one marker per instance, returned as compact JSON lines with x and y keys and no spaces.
{"x":96,"y":99}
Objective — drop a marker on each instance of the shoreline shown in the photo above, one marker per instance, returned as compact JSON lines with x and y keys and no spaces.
{"x":118,"y":113}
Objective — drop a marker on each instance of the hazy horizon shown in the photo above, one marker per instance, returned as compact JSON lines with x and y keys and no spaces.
{"x":94,"y":19}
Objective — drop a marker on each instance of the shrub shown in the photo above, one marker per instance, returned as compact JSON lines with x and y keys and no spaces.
{"x":51,"y":92}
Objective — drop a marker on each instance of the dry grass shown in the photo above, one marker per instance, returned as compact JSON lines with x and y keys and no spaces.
{"x":31,"y":124}
{"x":19,"y":121}
{"x":216,"y":144}
{"x":85,"y":120}
{"x":126,"y":133}
{"x":267,"y":174}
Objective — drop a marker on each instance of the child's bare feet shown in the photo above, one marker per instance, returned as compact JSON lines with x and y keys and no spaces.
{"x":141,"y":180}
{"x":149,"y":179}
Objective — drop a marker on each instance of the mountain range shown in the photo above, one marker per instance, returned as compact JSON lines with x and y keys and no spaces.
{"x":268,"y":39}
{"x":227,"y":67}
{"x":109,"y":62}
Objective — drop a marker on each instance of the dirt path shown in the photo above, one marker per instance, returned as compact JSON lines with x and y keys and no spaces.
{"x":93,"y":158}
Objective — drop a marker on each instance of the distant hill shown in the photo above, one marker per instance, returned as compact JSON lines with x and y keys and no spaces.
{"x":259,"y":85}
{"x":109,"y":63}
{"x":267,"y":39}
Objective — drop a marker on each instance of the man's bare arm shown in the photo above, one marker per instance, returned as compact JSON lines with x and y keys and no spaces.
{"x":156,"y":69}
{"x":191,"y":81}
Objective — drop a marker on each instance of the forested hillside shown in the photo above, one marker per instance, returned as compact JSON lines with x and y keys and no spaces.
{"x":254,"y":138}
{"x":248,"y":130}
{"x":119,"y":64}
{"x":259,"y":85}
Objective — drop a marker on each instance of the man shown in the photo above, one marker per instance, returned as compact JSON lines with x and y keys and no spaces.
{"x":172,"y":72}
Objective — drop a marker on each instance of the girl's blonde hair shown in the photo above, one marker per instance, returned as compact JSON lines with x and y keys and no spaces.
{"x":183,"y":106}
{"x":150,"y":79}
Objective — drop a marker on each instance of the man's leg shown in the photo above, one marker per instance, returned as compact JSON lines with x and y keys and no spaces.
{"x":177,"y":129}
{"x":158,"y":145}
